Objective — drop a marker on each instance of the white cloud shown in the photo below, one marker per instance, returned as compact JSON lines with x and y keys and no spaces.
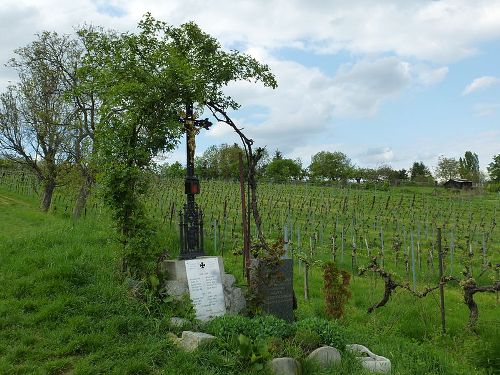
{"x":430,"y":76}
{"x":376,"y":156}
{"x":481,"y":83}
{"x":391,"y":46}
{"x":306,"y":99}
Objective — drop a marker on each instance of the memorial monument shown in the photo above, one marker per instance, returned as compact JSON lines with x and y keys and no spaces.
{"x":202,"y":277}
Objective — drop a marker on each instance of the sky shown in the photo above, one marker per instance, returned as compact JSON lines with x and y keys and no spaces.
{"x":385,"y":82}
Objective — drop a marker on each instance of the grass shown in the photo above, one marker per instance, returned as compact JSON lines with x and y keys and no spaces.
{"x":64,"y":309}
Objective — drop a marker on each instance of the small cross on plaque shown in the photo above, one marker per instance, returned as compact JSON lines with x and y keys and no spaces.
{"x":202,"y":265}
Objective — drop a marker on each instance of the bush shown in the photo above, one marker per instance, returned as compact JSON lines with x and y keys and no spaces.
{"x":330,"y":332}
{"x":307,"y":340}
{"x":336,"y":283}
{"x":229,"y":326}
{"x":271,"y":326}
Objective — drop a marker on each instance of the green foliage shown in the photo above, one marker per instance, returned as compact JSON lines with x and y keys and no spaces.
{"x":229,"y":326}
{"x":36,"y":116}
{"x":271,"y":326}
{"x":220,"y":162}
{"x":265,"y":326}
{"x":447,"y":168}
{"x":494,"y":169}
{"x":419,"y":172}
{"x":307,"y":340}
{"x":143,"y":81}
{"x":330,"y":332}
{"x":336,"y":290}
{"x":331,"y":166}
{"x":493,"y":187}
{"x":281,"y":170}
{"x":254,"y":351}
{"x":469,"y":166}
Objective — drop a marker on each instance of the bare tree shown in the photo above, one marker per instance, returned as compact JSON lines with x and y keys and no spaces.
{"x":36,"y":117}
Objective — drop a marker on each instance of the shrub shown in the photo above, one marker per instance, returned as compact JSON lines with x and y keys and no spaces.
{"x":270,"y":326}
{"x":266,"y":326}
{"x":336,"y":283}
{"x":307,"y":340}
{"x":330,"y":332}
{"x":229,"y":326}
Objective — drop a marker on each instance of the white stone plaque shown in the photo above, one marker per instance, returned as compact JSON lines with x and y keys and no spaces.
{"x":205,"y":287}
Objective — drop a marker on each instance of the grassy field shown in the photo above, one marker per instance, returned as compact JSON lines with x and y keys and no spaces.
{"x":65,"y":309}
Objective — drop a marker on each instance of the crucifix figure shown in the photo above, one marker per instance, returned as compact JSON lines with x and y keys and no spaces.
{"x":191,"y":217}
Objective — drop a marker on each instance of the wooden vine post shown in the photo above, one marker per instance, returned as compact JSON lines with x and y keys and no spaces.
{"x":246,"y":234}
{"x":441,"y":280}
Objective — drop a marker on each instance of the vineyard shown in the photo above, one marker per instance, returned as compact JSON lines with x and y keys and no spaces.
{"x":352,"y":226}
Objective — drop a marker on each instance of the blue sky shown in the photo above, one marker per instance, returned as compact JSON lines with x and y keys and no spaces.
{"x":386,"y":82}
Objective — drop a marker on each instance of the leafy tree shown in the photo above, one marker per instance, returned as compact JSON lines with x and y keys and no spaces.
{"x":447,"y":168}
{"x":419,"y":172}
{"x":494,"y":168}
{"x":365,"y":174}
{"x":284,"y":170}
{"x":469,"y":167}
{"x":144,"y":81}
{"x":220,"y":162}
{"x":278,"y":155}
{"x":36,"y":117}
{"x":401,"y":175}
{"x":174,"y":170}
{"x":331,"y":166}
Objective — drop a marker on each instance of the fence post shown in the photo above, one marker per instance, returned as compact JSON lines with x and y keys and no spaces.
{"x":441,"y":285}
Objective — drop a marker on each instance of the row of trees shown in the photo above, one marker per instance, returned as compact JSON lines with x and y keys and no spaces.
{"x":222,"y":162}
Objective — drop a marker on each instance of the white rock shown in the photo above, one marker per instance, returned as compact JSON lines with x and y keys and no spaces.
{"x":325,"y":356}
{"x":369,"y":360}
{"x":189,"y":340}
{"x":284,"y":366}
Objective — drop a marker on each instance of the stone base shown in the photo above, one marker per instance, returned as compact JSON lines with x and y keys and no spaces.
{"x":176,"y":269}
{"x":176,"y":284}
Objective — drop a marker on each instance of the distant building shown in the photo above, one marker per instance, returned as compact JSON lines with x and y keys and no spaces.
{"x":458,"y":183}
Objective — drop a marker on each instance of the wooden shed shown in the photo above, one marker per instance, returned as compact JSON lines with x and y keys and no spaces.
{"x":458,"y":183}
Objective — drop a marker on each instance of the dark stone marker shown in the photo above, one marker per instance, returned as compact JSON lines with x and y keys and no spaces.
{"x":275,"y":289}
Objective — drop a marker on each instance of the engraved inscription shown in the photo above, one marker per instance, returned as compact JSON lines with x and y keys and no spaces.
{"x":205,"y":287}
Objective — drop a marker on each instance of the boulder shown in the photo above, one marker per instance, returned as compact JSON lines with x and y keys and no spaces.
{"x":233,"y":296}
{"x":284,"y":366}
{"x":325,"y":356}
{"x":190,"y":341}
{"x":370,"y":361}
{"x":175,"y":288}
{"x":229,"y":280}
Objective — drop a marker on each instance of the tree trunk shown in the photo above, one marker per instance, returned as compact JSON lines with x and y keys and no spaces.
{"x":83,"y":194}
{"x":48,"y":190}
